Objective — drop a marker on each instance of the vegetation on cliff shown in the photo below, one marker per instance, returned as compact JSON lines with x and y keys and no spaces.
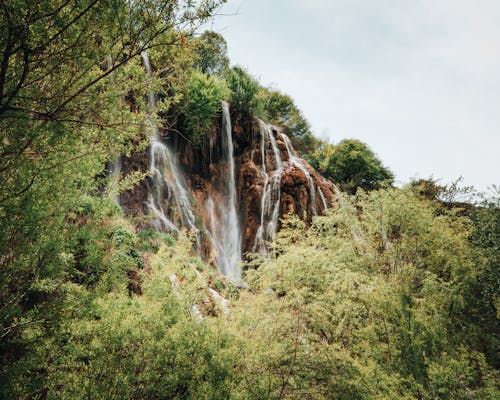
{"x":352,"y":165}
{"x":391,"y":295}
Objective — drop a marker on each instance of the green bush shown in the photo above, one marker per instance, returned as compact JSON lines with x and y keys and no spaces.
{"x":151,"y":240}
{"x":202,"y":103}
{"x":353,"y":165}
{"x":245,"y":92}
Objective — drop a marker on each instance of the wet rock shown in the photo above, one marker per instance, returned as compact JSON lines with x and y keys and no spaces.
{"x":205,"y":169}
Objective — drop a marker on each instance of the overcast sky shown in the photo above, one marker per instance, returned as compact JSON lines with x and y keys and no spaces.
{"x":418,"y":80}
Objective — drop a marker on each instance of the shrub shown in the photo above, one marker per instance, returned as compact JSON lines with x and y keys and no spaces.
{"x":244,"y":92}
{"x":353,"y":165}
{"x":201,"y":103}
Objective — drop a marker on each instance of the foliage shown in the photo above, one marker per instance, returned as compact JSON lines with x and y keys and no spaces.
{"x":485,"y":298}
{"x":392,"y":295}
{"x":381,"y":285}
{"x":320,"y":156}
{"x":280,"y":109}
{"x":72,"y":97}
{"x":211,"y":48}
{"x":353,"y":165}
{"x":244,"y":92}
{"x":202,"y":102}
{"x":107,"y":343}
{"x":378,"y":299}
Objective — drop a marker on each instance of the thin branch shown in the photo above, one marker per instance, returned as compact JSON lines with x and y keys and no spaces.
{"x":51,"y":14}
{"x":37,"y":173}
{"x":7,"y":52}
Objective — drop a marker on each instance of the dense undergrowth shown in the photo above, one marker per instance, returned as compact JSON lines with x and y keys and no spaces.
{"x":386,"y":297}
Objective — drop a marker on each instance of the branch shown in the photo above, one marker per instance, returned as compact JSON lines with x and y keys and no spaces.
{"x":37,"y":173}
{"x":7,"y":52}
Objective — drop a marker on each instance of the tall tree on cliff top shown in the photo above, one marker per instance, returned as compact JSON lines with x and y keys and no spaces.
{"x":72,"y":91}
{"x":353,"y":165}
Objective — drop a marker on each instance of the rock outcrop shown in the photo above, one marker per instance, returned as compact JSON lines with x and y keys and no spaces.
{"x":270,"y":179}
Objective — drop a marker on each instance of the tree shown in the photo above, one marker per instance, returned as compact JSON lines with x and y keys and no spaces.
{"x":211,"y":48}
{"x":353,"y":165}
{"x":244,"y":92}
{"x":201,"y":103}
{"x":72,"y":97}
{"x":280,"y":109}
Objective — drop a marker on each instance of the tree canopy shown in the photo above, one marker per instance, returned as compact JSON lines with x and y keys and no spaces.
{"x":353,"y":165}
{"x":211,"y":48}
{"x":72,"y":98}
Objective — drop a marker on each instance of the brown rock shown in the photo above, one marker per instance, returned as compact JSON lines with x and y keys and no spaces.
{"x":206,"y":174}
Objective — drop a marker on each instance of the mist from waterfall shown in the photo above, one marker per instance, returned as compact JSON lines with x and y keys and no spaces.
{"x":271,"y":193}
{"x":225,"y":233}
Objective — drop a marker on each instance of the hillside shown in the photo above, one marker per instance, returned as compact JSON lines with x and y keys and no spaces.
{"x":171,"y":229}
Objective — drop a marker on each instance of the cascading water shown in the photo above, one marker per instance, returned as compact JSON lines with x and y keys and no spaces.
{"x":323,"y":199}
{"x":215,"y":192}
{"x":271,"y":194}
{"x":294,"y":160}
{"x":167,"y":181}
{"x":116,"y":168}
{"x":225,"y":230}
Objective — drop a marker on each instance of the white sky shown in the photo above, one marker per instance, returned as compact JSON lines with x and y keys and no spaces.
{"x":417,"y":80}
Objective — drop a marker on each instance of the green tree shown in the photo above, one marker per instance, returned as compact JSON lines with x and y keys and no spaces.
{"x":211,"y":48}
{"x":280,"y":109}
{"x":202,"y":103}
{"x":353,"y":165}
{"x":72,"y":97}
{"x":244,"y":92}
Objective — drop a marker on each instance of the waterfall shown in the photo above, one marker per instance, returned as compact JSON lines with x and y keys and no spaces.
{"x":323,"y":200}
{"x":294,"y":160}
{"x":225,"y":230}
{"x":271,"y":193}
{"x":169,"y":196}
{"x":115,"y":170}
{"x":167,"y":182}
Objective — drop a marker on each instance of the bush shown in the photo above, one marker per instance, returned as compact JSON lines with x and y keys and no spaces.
{"x":353,"y":165}
{"x":202,"y":103}
{"x":151,"y":240}
{"x":244,"y":92}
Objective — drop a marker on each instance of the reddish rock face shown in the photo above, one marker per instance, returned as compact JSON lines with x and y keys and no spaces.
{"x":295,"y":191}
{"x":301,"y":191}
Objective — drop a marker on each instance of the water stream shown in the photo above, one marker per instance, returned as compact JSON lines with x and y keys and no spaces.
{"x":168,"y":187}
{"x":224,"y":228}
{"x":294,"y":160}
{"x":271,"y":193}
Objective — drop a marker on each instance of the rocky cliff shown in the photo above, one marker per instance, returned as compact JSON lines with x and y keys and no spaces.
{"x":231,"y":189}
